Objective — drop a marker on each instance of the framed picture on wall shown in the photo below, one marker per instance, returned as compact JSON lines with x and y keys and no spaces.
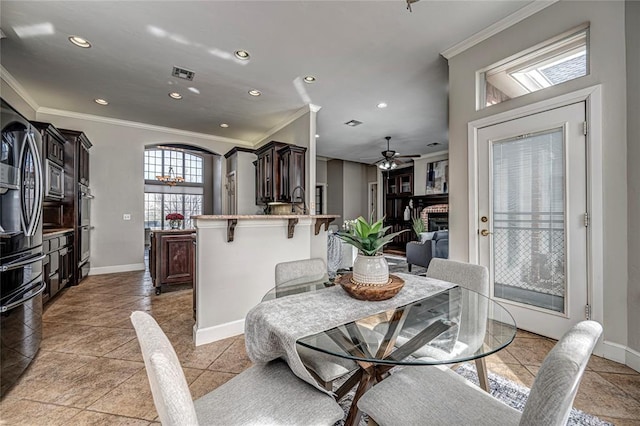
{"x":438,"y":177}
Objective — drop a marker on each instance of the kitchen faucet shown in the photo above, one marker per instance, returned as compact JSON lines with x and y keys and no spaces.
{"x":304,"y":203}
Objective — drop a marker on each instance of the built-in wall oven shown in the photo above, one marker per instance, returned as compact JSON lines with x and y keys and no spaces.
{"x":21,"y":256}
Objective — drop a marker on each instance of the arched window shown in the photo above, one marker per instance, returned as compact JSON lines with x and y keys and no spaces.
{"x":184,"y":196}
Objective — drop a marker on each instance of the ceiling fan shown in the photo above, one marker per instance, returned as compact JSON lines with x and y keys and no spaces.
{"x":390,"y":158}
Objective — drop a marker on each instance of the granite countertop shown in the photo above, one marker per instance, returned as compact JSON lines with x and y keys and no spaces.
{"x":50,"y":232}
{"x":265,"y":216}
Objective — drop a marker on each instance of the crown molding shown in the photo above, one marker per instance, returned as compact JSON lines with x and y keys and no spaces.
{"x":17,"y":87}
{"x":506,"y":22}
{"x":293,"y":117}
{"x":314,"y":108}
{"x":137,"y":125}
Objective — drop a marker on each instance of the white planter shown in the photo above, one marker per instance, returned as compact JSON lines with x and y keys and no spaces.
{"x":372,"y":270}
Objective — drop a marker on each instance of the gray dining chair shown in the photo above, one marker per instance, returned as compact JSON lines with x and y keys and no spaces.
{"x":262,"y":394}
{"x":472,"y":328}
{"x":421,"y":395}
{"x":323,"y":367}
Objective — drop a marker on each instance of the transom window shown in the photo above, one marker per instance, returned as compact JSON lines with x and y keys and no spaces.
{"x":562,"y":58}
{"x":161,"y":199}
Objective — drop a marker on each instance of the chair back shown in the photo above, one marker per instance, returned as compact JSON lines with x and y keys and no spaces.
{"x":300,"y":271}
{"x":171,"y":394}
{"x":473,"y":325}
{"x":556,"y":384}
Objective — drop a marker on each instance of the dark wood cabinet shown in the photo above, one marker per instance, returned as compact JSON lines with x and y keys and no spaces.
{"x":280,"y":167}
{"x":268,"y":173}
{"x":52,"y":142}
{"x":76,"y":212}
{"x":171,"y":258}
{"x":58,"y":263}
{"x":292,"y":171}
{"x":398,"y":191}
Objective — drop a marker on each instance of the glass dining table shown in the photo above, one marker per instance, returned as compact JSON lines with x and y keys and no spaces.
{"x":451,"y":326}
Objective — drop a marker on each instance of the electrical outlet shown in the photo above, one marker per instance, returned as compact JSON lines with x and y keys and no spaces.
{"x":126,"y":216}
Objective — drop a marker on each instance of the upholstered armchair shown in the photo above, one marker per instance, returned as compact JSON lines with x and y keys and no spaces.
{"x":433,"y":244}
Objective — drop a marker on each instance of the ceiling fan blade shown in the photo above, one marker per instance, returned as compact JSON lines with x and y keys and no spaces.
{"x":408,"y":156}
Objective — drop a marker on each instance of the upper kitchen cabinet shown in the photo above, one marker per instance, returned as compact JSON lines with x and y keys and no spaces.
{"x":52,"y":142}
{"x":292,"y":171}
{"x":279,"y":169}
{"x":82,"y":146}
{"x":268,"y":173}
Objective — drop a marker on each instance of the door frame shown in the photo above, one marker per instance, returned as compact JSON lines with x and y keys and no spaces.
{"x":592,"y":96}
{"x":370,"y":187}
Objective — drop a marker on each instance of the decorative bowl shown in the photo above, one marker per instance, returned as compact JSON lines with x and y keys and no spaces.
{"x":370,"y":292}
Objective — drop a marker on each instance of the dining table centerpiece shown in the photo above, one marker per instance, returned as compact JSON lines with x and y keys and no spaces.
{"x":175,"y":220}
{"x":370,"y":278}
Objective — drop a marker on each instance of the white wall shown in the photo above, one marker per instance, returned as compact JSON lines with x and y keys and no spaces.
{"x":633,"y":171}
{"x":116,"y":167}
{"x":607,"y":57}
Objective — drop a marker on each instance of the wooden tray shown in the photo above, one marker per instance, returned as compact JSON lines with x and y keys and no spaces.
{"x":368,"y":291}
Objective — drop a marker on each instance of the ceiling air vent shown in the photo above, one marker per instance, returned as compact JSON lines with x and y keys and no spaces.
{"x":353,"y":123}
{"x":183,"y":73}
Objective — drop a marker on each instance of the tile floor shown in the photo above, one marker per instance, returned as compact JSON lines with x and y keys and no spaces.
{"x":90,"y":372}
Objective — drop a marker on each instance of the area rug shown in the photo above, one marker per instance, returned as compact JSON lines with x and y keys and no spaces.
{"x":515,"y":395}
{"x":505,"y":390}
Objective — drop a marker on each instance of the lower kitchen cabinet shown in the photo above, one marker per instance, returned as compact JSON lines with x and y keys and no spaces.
{"x":58,"y":263}
{"x":172,"y":258}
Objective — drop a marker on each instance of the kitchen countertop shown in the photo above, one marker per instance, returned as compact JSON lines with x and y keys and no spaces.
{"x":265,"y":216}
{"x":55,"y":231}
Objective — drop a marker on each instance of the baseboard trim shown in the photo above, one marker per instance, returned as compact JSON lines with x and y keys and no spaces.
{"x":117,"y":268}
{"x":622,"y":354}
{"x":633,"y":359}
{"x":217,"y":332}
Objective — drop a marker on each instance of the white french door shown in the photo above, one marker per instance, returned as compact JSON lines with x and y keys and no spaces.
{"x":532,"y":204}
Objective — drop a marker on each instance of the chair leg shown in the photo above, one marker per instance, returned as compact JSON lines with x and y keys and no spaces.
{"x":483,"y":378}
{"x":409,"y":266}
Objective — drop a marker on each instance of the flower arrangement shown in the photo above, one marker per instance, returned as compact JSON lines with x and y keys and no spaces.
{"x":367,"y":237}
{"x":174,"y":216}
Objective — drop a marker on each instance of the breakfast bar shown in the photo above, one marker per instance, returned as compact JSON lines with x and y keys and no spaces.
{"x":235,"y":264}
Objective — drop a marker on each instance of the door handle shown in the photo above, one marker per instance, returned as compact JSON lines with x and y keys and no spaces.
{"x":485,"y":232}
{"x":18,"y":264}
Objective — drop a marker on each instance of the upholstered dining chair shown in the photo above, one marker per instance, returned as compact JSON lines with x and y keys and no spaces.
{"x":262,"y":394}
{"x":444,"y":397}
{"x":323,"y":367}
{"x":471,"y":331}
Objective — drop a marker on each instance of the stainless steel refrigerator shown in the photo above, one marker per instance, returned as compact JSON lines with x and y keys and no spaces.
{"x":21,"y":254}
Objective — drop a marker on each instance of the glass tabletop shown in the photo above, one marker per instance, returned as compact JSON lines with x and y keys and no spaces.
{"x":452,"y":326}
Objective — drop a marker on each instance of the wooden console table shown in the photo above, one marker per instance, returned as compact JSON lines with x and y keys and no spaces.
{"x":172,"y":258}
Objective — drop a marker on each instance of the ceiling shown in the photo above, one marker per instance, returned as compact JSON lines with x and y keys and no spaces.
{"x":361,"y":53}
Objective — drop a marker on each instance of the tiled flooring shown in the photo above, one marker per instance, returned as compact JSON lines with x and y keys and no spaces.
{"x":90,"y":372}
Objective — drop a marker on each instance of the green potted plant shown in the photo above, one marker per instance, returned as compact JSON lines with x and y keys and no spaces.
{"x":370,"y":267}
{"x":418,"y":226}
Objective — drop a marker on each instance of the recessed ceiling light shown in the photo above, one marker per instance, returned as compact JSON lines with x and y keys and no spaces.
{"x":254,"y":92}
{"x":317,"y":136}
{"x":224,"y":125}
{"x":382,"y":105}
{"x":433,"y":144}
{"x":175,"y":95}
{"x":243,"y":55}
{"x":309,"y":79}
{"x":79,"y":41}
{"x":101,"y":101}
